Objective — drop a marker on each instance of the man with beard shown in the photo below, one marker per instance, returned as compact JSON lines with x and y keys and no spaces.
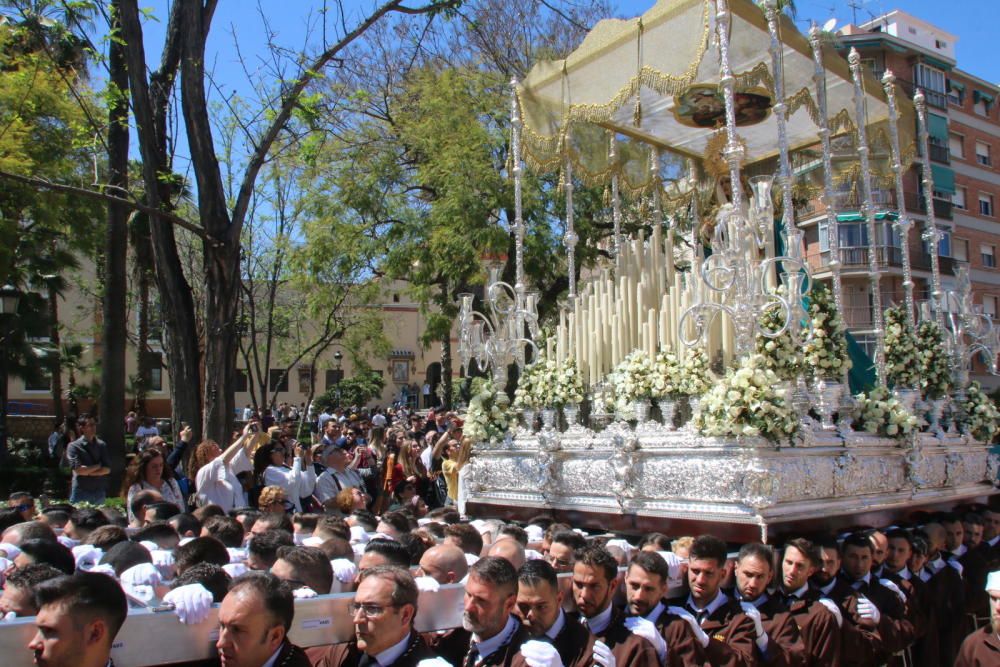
{"x":491,"y":636}
{"x":383,"y":611}
{"x":818,"y":619}
{"x":893,"y":625}
{"x":779,"y":642}
{"x":595,"y":580}
{"x":944,"y":580}
{"x":982,"y":647}
{"x":539,"y":606}
{"x":732,"y":635}
{"x":974,"y":568}
{"x":860,"y":643}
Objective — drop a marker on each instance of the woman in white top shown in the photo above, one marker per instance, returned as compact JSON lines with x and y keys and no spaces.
{"x":150,"y":472}
{"x":215,"y":471}
{"x":298,"y":480}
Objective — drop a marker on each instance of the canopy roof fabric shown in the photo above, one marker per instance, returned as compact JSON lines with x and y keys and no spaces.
{"x":652,"y":82}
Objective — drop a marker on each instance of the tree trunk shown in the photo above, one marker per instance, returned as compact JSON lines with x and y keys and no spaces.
{"x":56,"y":369}
{"x":222,"y":254}
{"x":111,"y":402}
{"x":446,"y":363}
{"x":150,"y":100}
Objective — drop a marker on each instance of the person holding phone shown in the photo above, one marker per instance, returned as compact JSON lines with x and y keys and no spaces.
{"x":298,"y":479}
{"x":215,"y":471}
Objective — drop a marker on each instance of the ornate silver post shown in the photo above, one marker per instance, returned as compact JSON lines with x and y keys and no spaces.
{"x":616,"y":204}
{"x":903,"y":222}
{"x":733,"y":151}
{"x":570,"y":238}
{"x":516,"y":125}
{"x":854,"y":59}
{"x":833,"y":232}
{"x":793,"y":236}
{"x":930,"y":235}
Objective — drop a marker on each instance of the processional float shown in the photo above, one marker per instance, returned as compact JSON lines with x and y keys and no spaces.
{"x":697,"y":117}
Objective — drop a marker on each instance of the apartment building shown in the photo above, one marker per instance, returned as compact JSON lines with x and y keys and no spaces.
{"x":964,"y":127}
{"x":407,"y":368}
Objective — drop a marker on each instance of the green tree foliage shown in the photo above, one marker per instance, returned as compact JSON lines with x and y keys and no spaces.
{"x":364,"y":386}
{"x":42,"y":134}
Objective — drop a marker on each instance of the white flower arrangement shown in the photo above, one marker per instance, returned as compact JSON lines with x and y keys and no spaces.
{"x":488,"y":416}
{"x":982,"y":417}
{"x":902,"y":362}
{"x":935,"y":371}
{"x":694,"y":378}
{"x":779,"y":353}
{"x":667,"y":375}
{"x":826,"y":354}
{"x":525,"y":395}
{"x":633,"y":378}
{"x":883,"y":414}
{"x":747,"y":402}
{"x":547,"y":383}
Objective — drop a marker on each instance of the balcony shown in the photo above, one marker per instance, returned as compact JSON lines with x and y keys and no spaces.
{"x":857,"y":257}
{"x":915,"y":203}
{"x":940,"y":153}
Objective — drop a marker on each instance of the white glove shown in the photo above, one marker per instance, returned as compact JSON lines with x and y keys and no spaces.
{"x":531,"y":554}
{"x":427,"y":584}
{"x":87,"y":556}
{"x":105,"y":569}
{"x":699,"y":634}
{"x":192,"y":603}
{"x":304,"y":593}
{"x":540,"y":654}
{"x":624,"y":546}
{"x":344,"y":570}
{"x":11,"y":550}
{"x":867,"y":609}
{"x":834,"y":609}
{"x":754,"y":615}
{"x":235,"y":569}
{"x":9,"y":616}
{"x":642,"y":627}
{"x":433,"y":662}
{"x":894,"y":588}
{"x":143,"y":574}
{"x":67,"y":542}
{"x":603,"y":655}
{"x":150,"y":545}
{"x":359,"y":535}
{"x":164,"y":562}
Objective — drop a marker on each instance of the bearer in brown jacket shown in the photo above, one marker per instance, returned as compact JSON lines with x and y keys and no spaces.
{"x":733,"y":638}
{"x":539,"y":606}
{"x":781,"y":644}
{"x":595,"y":580}
{"x":819,"y":619}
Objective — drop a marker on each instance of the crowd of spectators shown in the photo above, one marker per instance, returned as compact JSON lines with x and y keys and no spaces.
{"x":368,"y":507}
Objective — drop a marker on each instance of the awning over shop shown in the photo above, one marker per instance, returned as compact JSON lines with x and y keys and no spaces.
{"x":944,"y":178}
{"x":937,"y":126}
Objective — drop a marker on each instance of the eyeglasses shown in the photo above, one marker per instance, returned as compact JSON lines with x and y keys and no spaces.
{"x":369,"y":610}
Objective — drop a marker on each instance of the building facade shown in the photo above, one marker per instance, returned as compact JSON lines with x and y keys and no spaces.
{"x":964,"y":127}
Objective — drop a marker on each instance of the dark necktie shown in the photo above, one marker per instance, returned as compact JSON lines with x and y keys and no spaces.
{"x":367,"y":661}
{"x":472,"y":656}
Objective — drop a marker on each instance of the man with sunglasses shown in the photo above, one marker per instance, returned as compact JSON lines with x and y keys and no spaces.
{"x":383,"y":610}
{"x":23,"y":503}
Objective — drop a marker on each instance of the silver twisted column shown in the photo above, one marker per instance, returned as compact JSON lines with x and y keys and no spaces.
{"x":874,"y":270}
{"x":930,"y":235}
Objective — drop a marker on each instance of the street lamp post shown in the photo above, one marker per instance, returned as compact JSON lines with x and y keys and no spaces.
{"x":10,"y":297}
